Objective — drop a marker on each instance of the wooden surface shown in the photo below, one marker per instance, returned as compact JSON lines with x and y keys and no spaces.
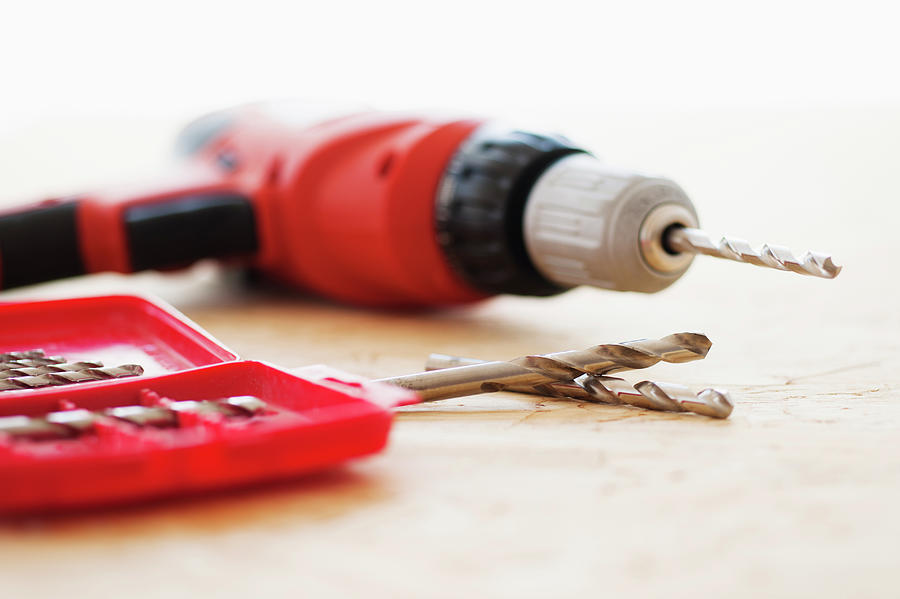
{"x":504,"y":495}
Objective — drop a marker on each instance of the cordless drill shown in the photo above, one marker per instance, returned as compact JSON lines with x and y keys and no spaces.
{"x":382,"y":209}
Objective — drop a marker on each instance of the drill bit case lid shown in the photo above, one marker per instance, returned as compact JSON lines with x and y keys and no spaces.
{"x":100,"y":445}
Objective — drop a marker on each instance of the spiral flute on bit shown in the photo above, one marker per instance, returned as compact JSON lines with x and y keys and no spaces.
{"x":695,"y":241}
{"x":663,"y":397}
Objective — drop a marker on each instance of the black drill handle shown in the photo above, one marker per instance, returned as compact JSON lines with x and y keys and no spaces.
{"x":50,"y":241}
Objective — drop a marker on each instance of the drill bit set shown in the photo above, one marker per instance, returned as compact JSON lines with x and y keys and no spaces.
{"x":194,"y":417}
{"x":181,"y":415}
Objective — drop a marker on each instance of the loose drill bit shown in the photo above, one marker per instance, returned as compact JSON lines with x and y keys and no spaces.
{"x":666,"y":397}
{"x":695,"y":241}
{"x":529,"y":371}
{"x":71,"y":423}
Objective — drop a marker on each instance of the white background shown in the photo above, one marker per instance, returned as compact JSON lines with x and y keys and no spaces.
{"x":516,"y":58}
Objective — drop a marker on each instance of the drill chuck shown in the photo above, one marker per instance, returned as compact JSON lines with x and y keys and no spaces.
{"x":589,"y":224}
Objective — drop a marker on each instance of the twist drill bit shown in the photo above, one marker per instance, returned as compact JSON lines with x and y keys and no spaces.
{"x":95,"y":374}
{"x":47,"y":369}
{"x":663,"y":397}
{"x":695,"y":241}
{"x":72,"y":423}
{"x":666,"y":397}
{"x":35,"y":429}
{"x":68,"y":377}
{"x":35,"y":362}
{"x":21,"y":355}
{"x":167,"y":415}
{"x":529,"y":371}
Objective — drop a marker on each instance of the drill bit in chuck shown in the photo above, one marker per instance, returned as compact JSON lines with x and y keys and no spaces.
{"x":695,"y":241}
{"x":530,"y":371}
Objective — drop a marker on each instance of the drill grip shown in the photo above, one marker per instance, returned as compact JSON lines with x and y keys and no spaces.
{"x":179,"y":231}
{"x":40,"y":244}
{"x":65,"y":238}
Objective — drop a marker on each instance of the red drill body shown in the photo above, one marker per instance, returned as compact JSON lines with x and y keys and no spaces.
{"x":343,"y":208}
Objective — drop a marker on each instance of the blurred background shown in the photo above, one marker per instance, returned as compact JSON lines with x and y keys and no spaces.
{"x":635,"y":81}
{"x":106,"y":58}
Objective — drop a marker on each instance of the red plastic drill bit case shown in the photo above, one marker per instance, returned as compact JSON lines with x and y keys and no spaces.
{"x":316,"y":417}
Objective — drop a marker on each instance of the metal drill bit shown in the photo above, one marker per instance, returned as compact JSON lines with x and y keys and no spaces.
{"x":568,"y":389}
{"x":71,"y":423}
{"x":666,"y":397}
{"x":529,"y":371}
{"x":65,"y":378}
{"x":76,"y":421}
{"x":695,"y":241}
{"x":19,"y":355}
{"x":167,"y":414}
{"x":35,"y":429}
{"x":95,"y":374}
{"x":47,"y":369}
{"x":36,"y":362}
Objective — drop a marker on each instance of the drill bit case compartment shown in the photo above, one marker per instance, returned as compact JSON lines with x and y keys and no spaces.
{"x":197,"y":419}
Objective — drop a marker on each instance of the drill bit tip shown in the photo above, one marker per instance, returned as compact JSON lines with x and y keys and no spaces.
{"x":671,"y":397}
{"x":654,"y":395}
